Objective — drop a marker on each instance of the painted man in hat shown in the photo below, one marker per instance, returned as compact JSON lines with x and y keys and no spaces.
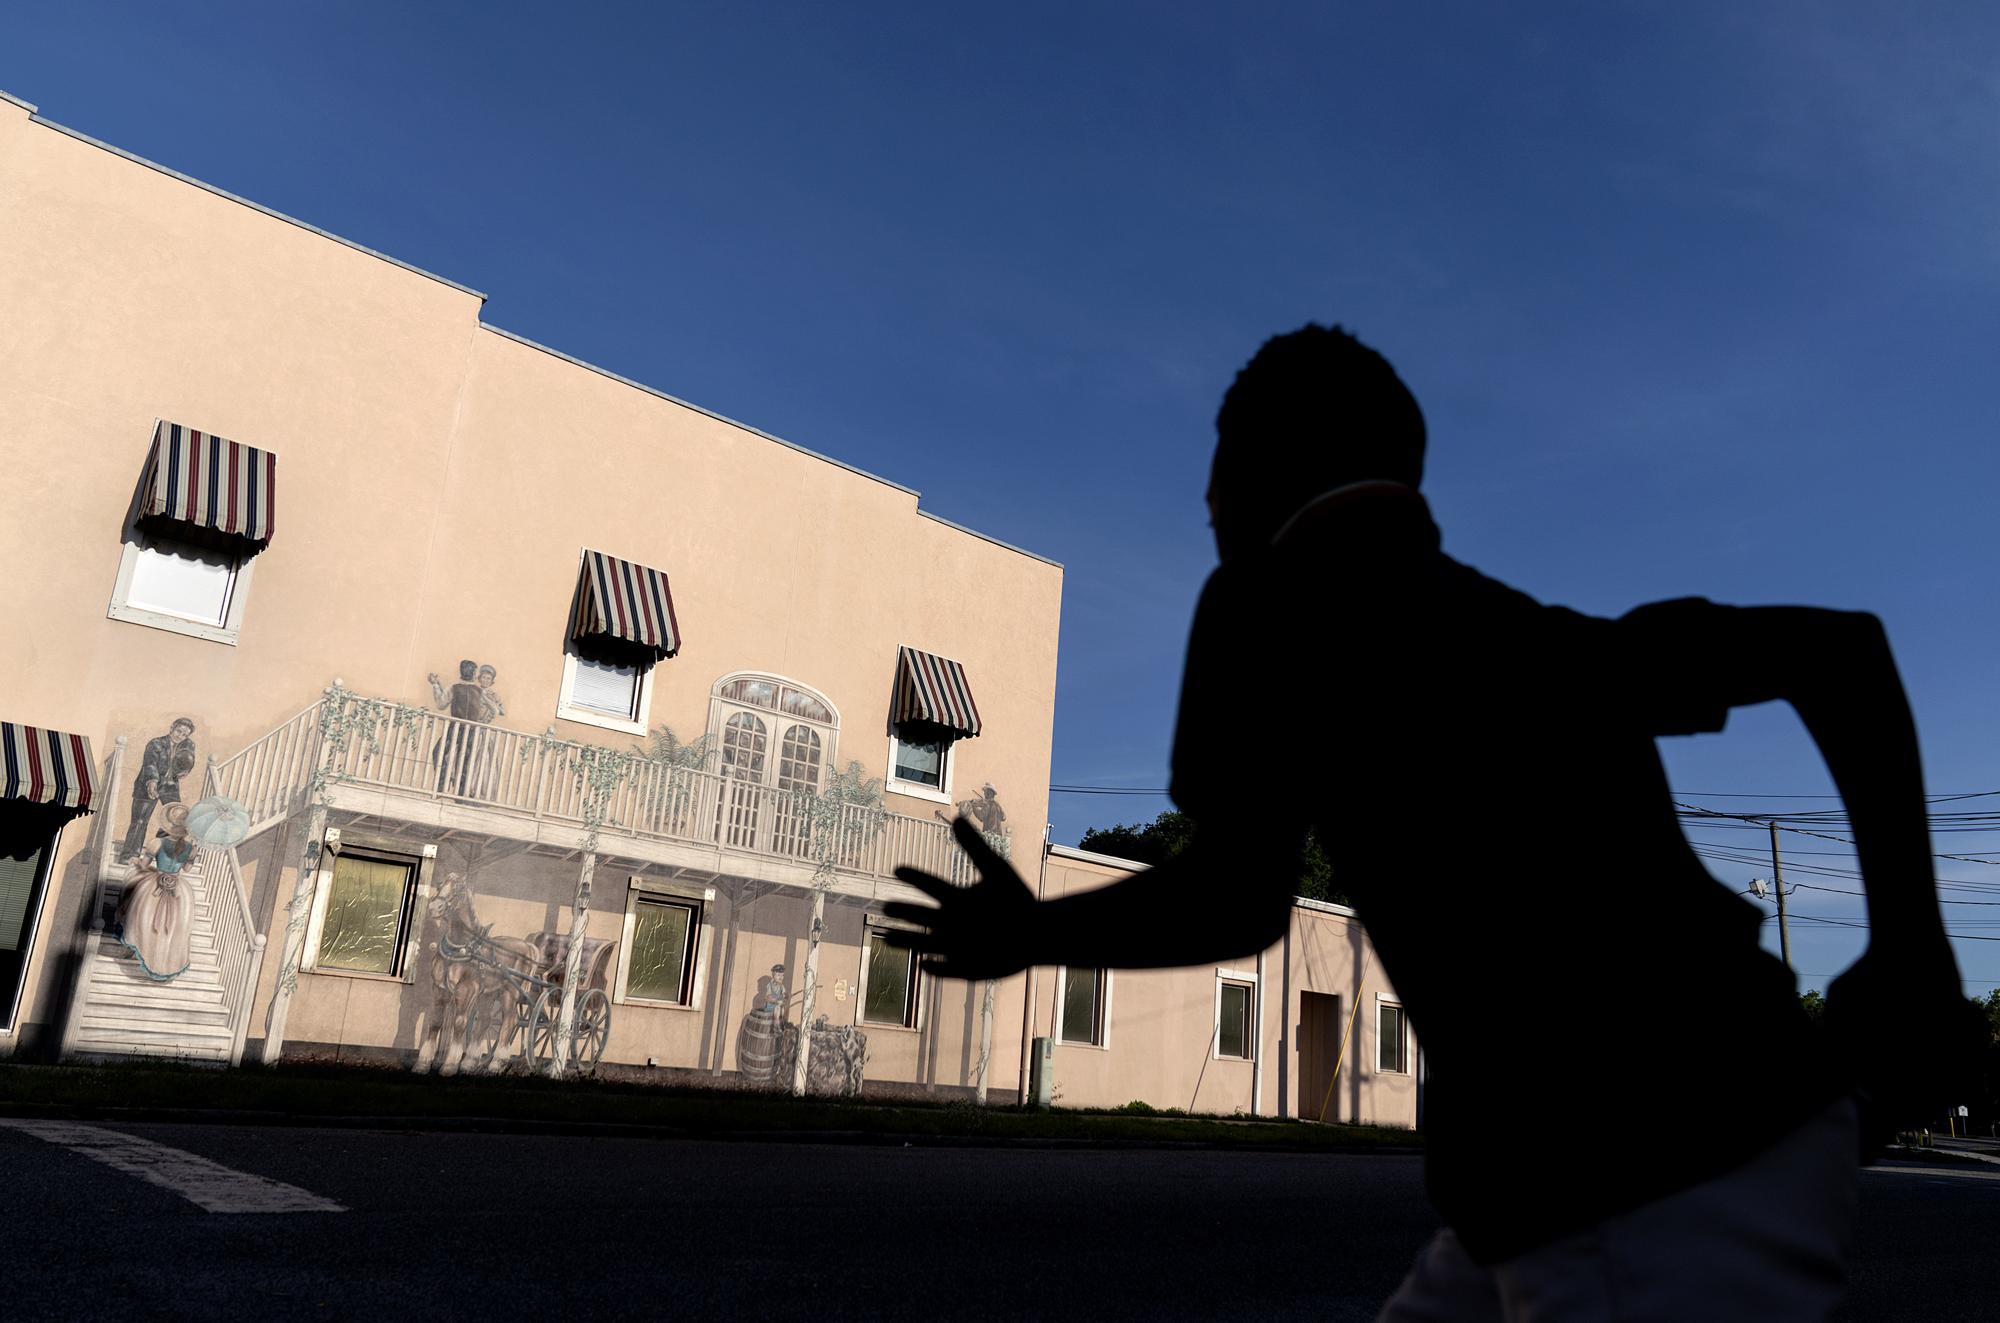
{"x":166,"y":760}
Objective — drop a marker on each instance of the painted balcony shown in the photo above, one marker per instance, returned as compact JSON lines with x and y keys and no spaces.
{"x":375,"y":759}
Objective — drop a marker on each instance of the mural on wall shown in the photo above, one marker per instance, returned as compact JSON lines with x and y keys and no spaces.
{"x":495,"y":1000}
{"x":463,"y":755}
{"x":988,"y":816}
{"x":167,"y":758}
{"x":156,"y":914}
{"x":767,"y":1046}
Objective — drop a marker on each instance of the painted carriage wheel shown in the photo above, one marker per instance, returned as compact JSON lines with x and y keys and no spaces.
{"x":542,"y":1029}
{"x":593,"y":1030}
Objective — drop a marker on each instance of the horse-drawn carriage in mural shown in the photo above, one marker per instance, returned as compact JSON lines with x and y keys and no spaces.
{"x":507,"y":989}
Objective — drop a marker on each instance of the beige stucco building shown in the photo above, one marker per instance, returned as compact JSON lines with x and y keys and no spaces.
{"x":452,"y":632}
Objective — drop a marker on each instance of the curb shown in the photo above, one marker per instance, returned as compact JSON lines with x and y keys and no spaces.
{"x":638,"y":1130}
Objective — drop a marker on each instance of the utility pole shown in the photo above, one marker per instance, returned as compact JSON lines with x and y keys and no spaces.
{"x":1778,"y":885}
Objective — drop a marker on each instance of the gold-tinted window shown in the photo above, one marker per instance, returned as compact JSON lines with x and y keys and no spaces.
{"x":891,"y":984}
{"x":662,"y":950}
{"x":367,"y":907}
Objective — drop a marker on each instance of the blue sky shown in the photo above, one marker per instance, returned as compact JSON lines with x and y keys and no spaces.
{"x":1697,"y":298}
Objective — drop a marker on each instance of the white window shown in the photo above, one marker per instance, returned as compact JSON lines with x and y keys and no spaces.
{"x":661,"y":959}
{"x":180,"y":587}
{"x":1234,"y":1001}
{"x":1392,"y":1039}
{"x":1086,"y":1006}
{"x":920,"y":762}
{"x":889,"y":981}
{"x":608,"y":694}
{"x":365,"y":915}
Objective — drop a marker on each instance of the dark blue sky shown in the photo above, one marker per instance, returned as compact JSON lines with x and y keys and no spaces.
{"x":1697,"y":298}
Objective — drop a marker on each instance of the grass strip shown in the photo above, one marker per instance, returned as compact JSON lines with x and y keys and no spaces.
{"x":306,"y":1093}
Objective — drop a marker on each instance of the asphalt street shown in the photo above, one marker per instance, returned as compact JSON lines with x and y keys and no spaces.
{"x":184,"y":1221}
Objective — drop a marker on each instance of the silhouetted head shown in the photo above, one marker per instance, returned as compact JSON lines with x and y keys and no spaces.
{"x":1314,"y":410}
{"x":467,"y":669}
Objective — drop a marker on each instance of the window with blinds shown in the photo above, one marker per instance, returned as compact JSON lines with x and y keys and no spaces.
{"x":18,"y":876}
{"x":604,"y":688}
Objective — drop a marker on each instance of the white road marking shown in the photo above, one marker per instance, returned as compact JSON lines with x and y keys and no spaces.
{"x":217,"y":1188}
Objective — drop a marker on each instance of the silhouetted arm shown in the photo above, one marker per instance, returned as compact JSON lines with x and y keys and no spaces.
{"x":1196,"y":907}
{"x":1899,"y":1012}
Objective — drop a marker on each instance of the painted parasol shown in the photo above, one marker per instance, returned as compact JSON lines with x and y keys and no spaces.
{"x":218,"y":821}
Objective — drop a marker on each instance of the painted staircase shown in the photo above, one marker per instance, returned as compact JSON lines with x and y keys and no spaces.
{"x":117,"y":1009}
{"x":126,"y":1012}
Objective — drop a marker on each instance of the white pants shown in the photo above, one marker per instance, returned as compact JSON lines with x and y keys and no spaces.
{"x":1763,"y":1242}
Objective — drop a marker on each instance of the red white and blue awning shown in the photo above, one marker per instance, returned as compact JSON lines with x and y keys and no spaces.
{"x":625,"y":604}
{"x":933,"y":689}
{"x":46,"y":767}
{"x":207,"y":488}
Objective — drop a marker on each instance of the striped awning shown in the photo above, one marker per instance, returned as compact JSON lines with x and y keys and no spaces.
{"x":46,"y":767}
{"x":209,"y":489}
{"x":624,"y":604}
{"x":933,"y":689}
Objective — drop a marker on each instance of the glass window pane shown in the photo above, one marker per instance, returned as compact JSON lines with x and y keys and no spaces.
{"x":805,"y":705}
{"x":658,"y":971}
{"x":1389,"y":1025}
{"x":183,"y":581}
{"x":888,"y":982}
{"x":364,"y":915}
{"x":1079,"y":1022}
{"x":920,"y":760}
{"x":1233,"y":1037}
{"x":612,"y":690}
{"x":17,"y":883}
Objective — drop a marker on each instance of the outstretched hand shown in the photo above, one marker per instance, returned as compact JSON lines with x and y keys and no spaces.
{"x":981,"y":931}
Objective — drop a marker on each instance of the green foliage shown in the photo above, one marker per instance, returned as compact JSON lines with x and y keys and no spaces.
{"x":1153,"y":843}
{"x":670,"y":750}
{"x":1813,"y":1005}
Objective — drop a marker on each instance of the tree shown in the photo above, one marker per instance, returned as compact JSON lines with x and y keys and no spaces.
{"x":1813,"y":1005}
{"x":1153,"y":843}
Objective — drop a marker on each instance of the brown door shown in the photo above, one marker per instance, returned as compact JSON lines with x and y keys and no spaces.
{"x":1319,"y":1047}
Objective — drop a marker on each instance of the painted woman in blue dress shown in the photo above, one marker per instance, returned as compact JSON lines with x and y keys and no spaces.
{"x":159,"y":911}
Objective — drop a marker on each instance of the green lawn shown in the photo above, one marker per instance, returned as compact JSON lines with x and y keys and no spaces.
{"x":313,"y":1093}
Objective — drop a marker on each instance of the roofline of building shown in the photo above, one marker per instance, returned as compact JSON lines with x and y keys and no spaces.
{"x":35,"y":116}
{"x":171,"y":173}
{"x":1092,"y":857}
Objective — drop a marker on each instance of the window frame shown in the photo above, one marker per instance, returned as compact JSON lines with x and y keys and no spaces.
{"x":1247,"y":980}
{"x":1402,"y":1067}
{"x":913,"y":999}
{"x":1100,"y":1037}
{"x":644,"y":891}
{"x":31,"y":927}
{"x":896,"y":785}
{"x":423,"y":864}
{"x":568,"y":710}
{"x":776,"y":722}
{"x":137,"y":542}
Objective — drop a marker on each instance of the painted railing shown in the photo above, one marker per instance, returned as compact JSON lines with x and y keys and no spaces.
{"x":368,"y":742}
{"x":239,"y":946}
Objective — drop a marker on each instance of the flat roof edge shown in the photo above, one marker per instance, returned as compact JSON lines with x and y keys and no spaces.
{"x":1323,"y":907}
{"x":988,"y":537}
{"x":9,"y":97}
{"x":172,"y":173}
{"x":1092,"y":857}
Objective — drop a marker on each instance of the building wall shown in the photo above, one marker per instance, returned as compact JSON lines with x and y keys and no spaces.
{"x":1160,"y":1043}
{"x":438,"y":480}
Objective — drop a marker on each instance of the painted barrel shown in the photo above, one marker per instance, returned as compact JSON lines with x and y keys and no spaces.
{"x":757,"y":1046}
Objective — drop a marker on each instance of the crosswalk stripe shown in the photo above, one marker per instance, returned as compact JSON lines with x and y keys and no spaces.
{"x":211,"y":1185}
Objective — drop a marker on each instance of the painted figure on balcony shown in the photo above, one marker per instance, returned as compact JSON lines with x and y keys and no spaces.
{"x":464,"y":702}
{"x":158,"y":910}
{"x":986,"y":814}
{"x":166,"y":760}
{"x":485,"y":768}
